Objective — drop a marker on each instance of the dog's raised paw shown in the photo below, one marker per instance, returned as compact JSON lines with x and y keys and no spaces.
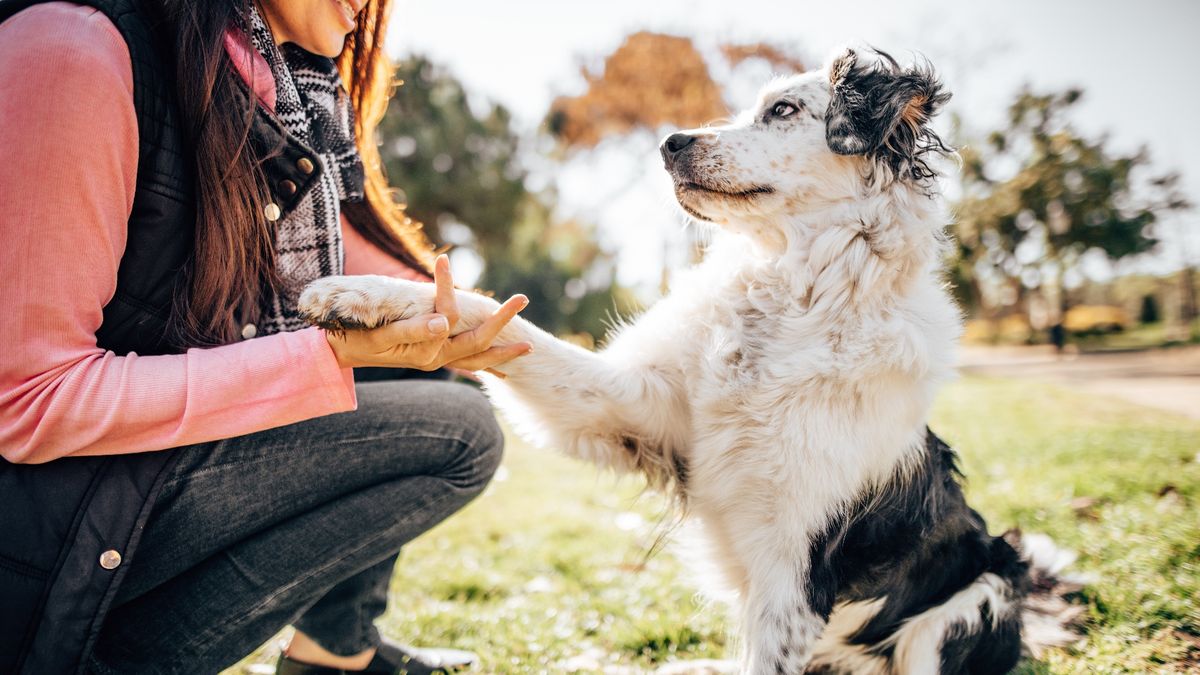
{"x":367,"y":301}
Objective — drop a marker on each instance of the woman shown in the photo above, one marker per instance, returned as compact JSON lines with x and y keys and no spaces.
{"x":173,"y":172}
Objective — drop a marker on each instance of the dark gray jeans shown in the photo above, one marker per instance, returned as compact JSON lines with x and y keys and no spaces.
{"x":301,"y":524}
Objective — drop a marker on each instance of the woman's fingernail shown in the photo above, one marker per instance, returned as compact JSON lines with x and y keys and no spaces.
{"x":438,"y":325}
{"x":524,"y":301}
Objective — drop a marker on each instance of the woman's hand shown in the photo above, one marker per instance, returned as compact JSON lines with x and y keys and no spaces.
{"x":425,"y":342}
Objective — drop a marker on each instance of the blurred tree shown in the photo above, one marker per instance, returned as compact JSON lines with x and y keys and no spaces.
{"x":653,"y":80}
{"x":1037,"y":196}
{"x":1172,"y":195}
{"x":777,"y":57}
{"x":1188,"y":310}
{"x":457,"y":163}
{"x":558,"y":264}
{"x":454,"y":165}
{"x":1149,"y":312}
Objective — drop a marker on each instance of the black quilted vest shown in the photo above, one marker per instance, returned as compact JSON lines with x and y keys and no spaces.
{"x":69,"y":528}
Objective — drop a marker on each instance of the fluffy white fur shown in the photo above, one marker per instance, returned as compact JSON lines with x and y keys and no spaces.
{"x":783,"y":376}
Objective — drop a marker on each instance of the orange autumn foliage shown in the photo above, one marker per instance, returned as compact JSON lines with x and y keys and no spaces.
{"x":777,"y":57}
{"x":650,"y":80}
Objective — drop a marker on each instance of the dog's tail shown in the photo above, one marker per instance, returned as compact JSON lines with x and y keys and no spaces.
{"x":1048,"y":619}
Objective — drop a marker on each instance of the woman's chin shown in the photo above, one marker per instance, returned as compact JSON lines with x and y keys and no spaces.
{"x":330,"y":46}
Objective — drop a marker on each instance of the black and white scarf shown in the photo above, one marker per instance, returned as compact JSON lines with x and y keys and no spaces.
{"x":313,"y":106}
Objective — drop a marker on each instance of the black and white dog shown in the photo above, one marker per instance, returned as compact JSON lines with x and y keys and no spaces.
{"x":781,"y":392}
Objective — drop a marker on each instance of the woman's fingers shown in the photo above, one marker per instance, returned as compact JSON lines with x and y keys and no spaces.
{"x":481,"y":337}
{"x":411,"y":343}
{"x":424,"y":341}
{"x":409,"y":331}
{"x":492,"y":357}
{"x":445,"y":302}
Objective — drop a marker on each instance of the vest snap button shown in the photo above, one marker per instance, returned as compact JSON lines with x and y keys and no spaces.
{"x":305,"y":165}
{"x":288,"y":188}
{"x":110,"y":560}
{"x":272,"y":212}
{"x":249,"y":331}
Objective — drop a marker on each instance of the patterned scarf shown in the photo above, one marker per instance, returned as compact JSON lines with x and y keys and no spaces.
{"x":313,"y":106}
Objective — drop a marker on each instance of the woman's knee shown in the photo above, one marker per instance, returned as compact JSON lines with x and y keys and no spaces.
{"x":482,"y":443}
{"x":450,"y":425}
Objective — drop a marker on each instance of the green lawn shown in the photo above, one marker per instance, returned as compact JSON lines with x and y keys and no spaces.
{"x":548,"y":570}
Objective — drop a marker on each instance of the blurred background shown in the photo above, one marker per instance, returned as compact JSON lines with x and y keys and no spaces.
{"x":525,"y":136}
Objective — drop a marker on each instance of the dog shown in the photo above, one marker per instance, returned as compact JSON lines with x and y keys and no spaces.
{"x":780,"y":393}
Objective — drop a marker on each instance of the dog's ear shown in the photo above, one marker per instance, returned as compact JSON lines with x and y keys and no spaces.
{"x":882,"y":110}
{"x":840,"y":66}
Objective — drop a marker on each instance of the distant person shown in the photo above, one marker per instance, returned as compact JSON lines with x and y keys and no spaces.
{"x":1058,"y":338}
{"x":172,"y":173}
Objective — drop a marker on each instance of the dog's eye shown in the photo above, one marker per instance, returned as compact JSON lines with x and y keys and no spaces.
{"x":783,"y":109}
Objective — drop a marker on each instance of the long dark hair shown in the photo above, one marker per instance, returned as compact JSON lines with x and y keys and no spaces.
{"x":233,"y":267}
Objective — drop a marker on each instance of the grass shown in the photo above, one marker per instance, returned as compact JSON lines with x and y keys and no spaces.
{"x":1117,"y":483}
{"x":547,"y":571}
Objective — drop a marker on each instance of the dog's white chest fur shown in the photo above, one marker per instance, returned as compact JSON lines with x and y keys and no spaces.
{"x":795,"y":402}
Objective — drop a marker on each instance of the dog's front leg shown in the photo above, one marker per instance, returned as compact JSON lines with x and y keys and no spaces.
{"x":623,"y":412}
{"x":780,"y":626}
{"x":627,"y":413}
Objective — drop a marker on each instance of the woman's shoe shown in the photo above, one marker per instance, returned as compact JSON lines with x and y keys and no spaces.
{"x":391,"y":658}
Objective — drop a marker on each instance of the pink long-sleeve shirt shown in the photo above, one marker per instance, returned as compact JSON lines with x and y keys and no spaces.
{"x":68,"y":166}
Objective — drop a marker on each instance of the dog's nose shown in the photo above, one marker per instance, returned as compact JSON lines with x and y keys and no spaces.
{"x":675,"y":144}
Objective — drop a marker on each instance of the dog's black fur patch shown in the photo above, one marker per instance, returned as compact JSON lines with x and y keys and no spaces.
{"x":987,"y":650}
{"x":915,"y":542}
{"x":882,"y":111}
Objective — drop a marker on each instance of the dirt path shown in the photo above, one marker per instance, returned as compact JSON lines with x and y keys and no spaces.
{"x":1168,"y":379}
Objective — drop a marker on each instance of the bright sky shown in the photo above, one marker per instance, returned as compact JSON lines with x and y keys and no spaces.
{"x":1135,"y":60}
